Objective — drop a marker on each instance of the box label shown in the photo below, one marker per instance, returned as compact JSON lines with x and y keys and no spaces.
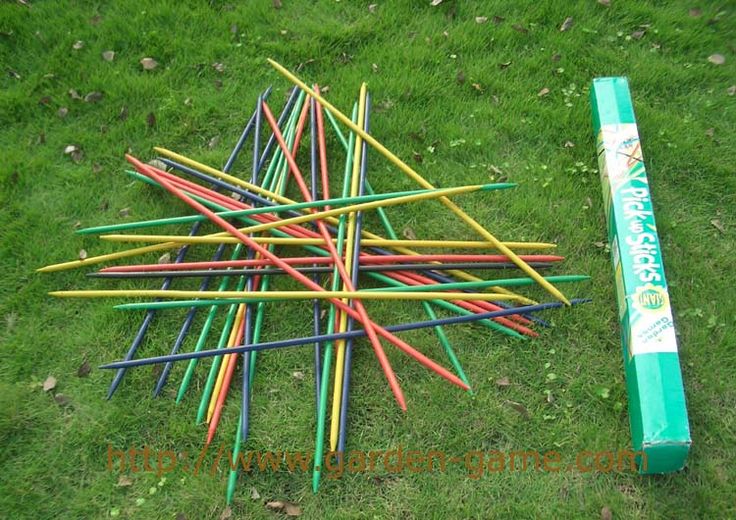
{"x":643,"y":303}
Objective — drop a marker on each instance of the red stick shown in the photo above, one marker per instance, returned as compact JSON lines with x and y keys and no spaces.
{"x":304,"y":260}
{"x":322,"y":150}
{"x":370,"y":331}
{"x":421,"y":358}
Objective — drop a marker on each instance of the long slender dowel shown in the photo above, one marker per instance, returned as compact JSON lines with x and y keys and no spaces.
{"x":439,"y":331}
{"x":316,"y":278}
{"x":405,"y":168}
{"x":357,"y":188}
{"x":426,"y":195}
{"x":229,"y":272}
{"x":224,"y":284}
{"x":364,"y":261}
{"x":349,"y":257}
{"x":331,"y":319}
{"x":453,"y":320}
{"x":143,"y":329}
{"x":359,"y":309}
{"x":281,"y":208}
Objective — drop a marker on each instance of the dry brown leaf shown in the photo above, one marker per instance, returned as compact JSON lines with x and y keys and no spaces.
{"x":96,"y":19}
{"x":638,"y":35}
{"x":93,"y":97}
{"x":460,"y":77}
{"x":63,"y":111}
{"x":710,"y":132}
{"x":158,"y":164}
{"x":717,"y":59}
{"x":567,"y":24}
{"x":84,"y":369}
{"x":164,"y":258}
{"x":417,"y":157}
{"x":731,"y":90}
{"x":108,"y":55}
{"x":226,"y":514}
{"x":372,"y":8}
{"x":277,"y":4}
{"x":606,"y":513}
{"x":435,"y":3}
{"x":82,"y":254}
{"x":695,"y":12}
{"x":219,"y":67}
{"x":504,"y":64}
{"x":49,"y":384}
{"x":148,"y":63}
{"x":213,"y":142}
{"x":124,"y":212}
{"x":543,"y":92}
{"x":477,"y":86}
{"x":124,"y":481}
{"x":519,"y":408}
{"x":151,"y":120}
{"x":62,"y":400}
{"x":569,"y":144}
{"x":123,"y":115}
{"x":481,"y":19}
{"x":607,"y":3}
{"x":409,"y":233}
{"x":96,"y":168}
{"x":74,"y":94}
{"x":282,"y":506}
{"x":498,"y":20}
{"x":298,"y":375}
{"x":716,"y":223}
{"x":79,"y":44}
{"x":254,"y":494}
{"x":520,"y":28}
{"x":503,"y":382}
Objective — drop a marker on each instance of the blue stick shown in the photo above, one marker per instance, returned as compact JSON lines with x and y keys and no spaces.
{"x":316,"y":278}
{"x":247,"y":322}
{"x":340,"y":335}
{"x":141,"y":334}
{"x":344,"y":398}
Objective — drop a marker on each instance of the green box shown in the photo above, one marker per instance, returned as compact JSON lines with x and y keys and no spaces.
{"x":657,"y":411}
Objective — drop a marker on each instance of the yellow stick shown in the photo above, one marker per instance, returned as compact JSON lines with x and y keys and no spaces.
{"x":349,"y":248}
{"x":234,"y":180}
{"x":174,"y":241}
{"x":282,"y":295}
{"x":355,"y":207}
{"x":177,"y":240}
{"x":422,"y":182}
{"x":228,"y":359}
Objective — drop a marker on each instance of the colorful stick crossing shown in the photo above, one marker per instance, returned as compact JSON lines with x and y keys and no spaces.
{"x":311,"y":246}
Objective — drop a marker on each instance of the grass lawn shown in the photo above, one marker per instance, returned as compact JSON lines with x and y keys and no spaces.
{"x":460,"y":100}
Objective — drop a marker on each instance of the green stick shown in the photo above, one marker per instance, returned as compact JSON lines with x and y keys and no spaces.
{"x":278,"y":183}
{"x":504,"y":282}
{"x":337,"y":202}
{"x":438,"y":330}
{"x":327,"y":362}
